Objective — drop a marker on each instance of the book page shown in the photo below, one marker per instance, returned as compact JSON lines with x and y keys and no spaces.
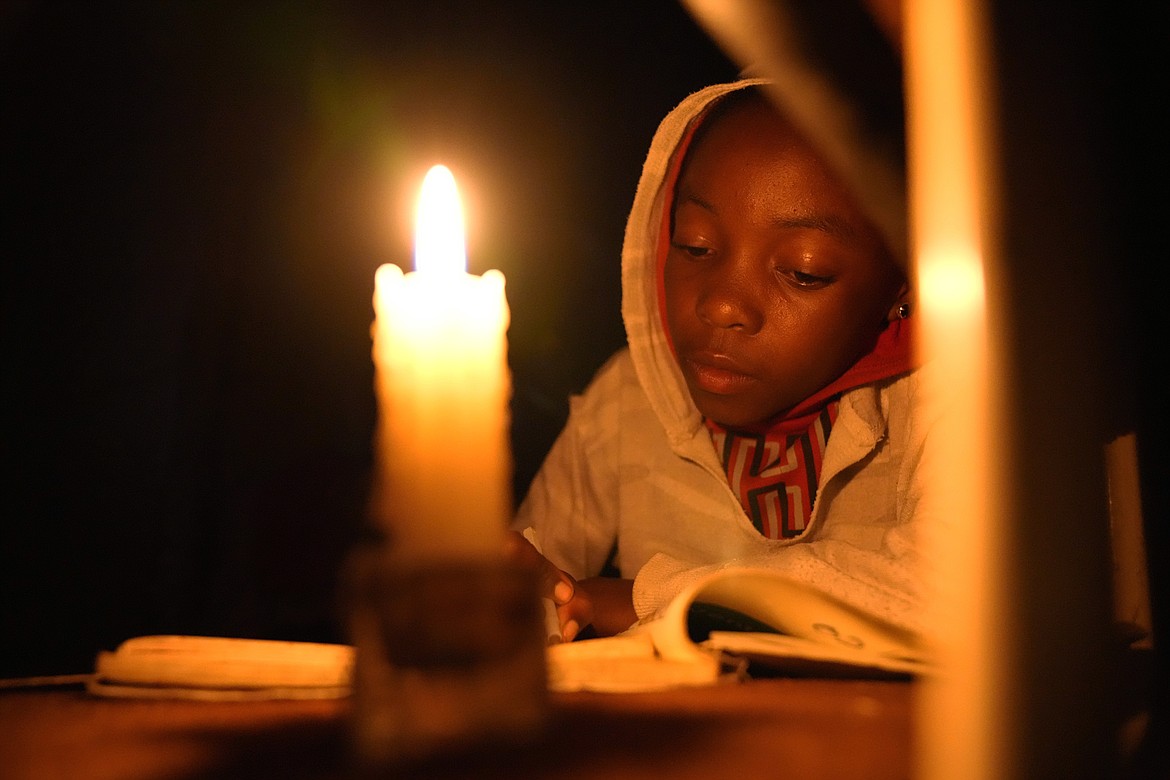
{"x":791,"y":608}
{"x":626,"y":663}
{"x":793,"y":656}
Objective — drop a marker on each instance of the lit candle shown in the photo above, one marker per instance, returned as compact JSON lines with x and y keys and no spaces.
{"x":440,"y":356}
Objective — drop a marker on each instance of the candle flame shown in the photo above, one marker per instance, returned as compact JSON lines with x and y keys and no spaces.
{"x":439,"y":246}
{"x":951,"y":281}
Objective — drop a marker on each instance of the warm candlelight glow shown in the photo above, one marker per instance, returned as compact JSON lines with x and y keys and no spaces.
{"x":951,"y":280}
{"x":439,"y":245}
{"x":440,"y":350}
{"x":964,"y":716}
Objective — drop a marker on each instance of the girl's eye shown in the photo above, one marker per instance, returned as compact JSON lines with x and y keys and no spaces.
{"x":692,"y":250}
{"x":809,"y":281}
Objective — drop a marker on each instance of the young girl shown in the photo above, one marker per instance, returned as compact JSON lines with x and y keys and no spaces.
{"x":761,"y":414}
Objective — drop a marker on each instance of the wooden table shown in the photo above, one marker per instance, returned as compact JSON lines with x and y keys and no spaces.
{"x":759,"y":729}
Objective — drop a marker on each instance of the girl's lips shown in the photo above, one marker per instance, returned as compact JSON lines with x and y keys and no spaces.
{"x":718,"y":377}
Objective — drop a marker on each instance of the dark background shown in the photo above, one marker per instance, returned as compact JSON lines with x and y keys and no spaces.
{"x":196,"y":197}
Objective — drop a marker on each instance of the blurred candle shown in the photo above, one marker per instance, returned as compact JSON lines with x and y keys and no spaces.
{"x":443,"y":487}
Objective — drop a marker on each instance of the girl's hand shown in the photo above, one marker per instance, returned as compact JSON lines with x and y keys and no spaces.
{"x":574,"y":607}
{"x":611,"y":603}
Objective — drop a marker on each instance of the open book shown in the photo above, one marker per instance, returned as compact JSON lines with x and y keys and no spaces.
{"x":737,"y":622}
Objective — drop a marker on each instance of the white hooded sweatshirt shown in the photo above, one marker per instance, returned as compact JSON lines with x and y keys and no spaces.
{"x":635,"y":475}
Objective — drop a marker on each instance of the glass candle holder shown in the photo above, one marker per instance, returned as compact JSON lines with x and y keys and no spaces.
{"x":449,"y":654}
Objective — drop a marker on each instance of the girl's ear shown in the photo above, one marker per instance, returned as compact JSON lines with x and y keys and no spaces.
{"x":900,"y":310}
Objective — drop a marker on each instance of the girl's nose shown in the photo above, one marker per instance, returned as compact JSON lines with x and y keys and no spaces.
{"x":726,"y":303}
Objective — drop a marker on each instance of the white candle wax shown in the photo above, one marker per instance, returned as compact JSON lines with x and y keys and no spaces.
{"x":442,"y":382}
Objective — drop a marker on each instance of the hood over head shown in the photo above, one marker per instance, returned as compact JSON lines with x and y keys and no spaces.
{"x":647,"y":238}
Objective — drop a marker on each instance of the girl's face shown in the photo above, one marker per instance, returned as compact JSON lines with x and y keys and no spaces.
{"x":775,"y":281}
